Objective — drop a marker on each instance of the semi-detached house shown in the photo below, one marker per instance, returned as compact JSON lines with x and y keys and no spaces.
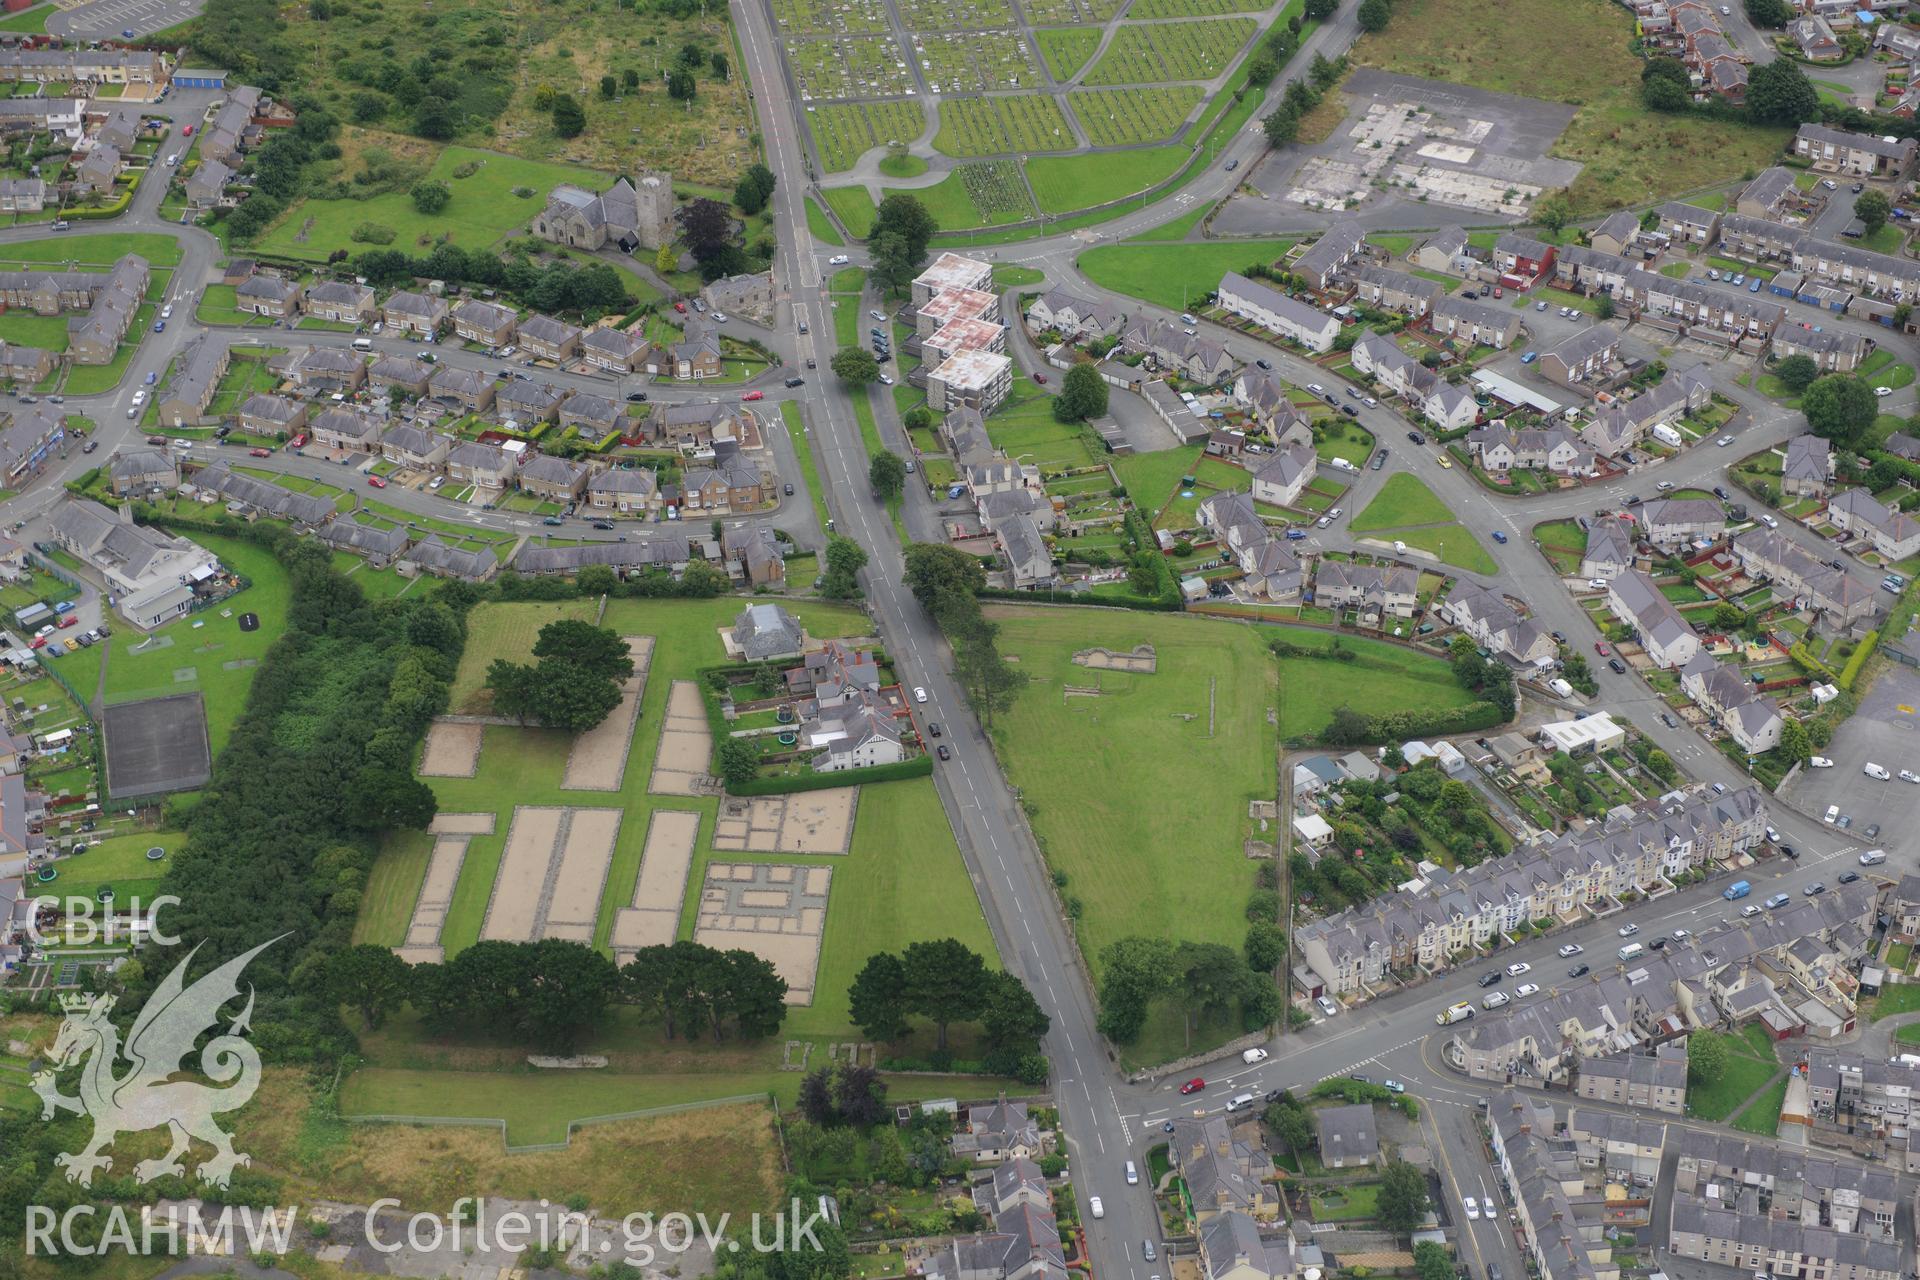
{"x":1667,"y":638}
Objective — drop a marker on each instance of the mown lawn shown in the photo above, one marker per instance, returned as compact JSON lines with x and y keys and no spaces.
{"x":119,"y":861}
{"x":1748,"y":1068}
{"x":1628,"y":156}
{"x":1174,"y":275}
{"x":206,"y":643}
{"x":1403,"y":500}
{"x":1065,"y":183}
{"x":94,"y":251}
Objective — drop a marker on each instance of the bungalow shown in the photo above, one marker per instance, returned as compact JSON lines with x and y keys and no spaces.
{"x":252,"y":494}
{"x":627,"y":492}
{"x":1858,"y":155}
{"x":1814,"y":38}
{"x":594,"y":417}
{"x":262,"y":414}
{"x":327,"y":369}
{"x":419,"y":313}
{"x":196,"y":376}
{"x":1893,"y":533}
{"x":616,"y":350}
{"x":545,"y":338}
{"x":1348,"y":1136}
{"x":405,"y":372}
{"x":436,"y":559}
{"x":487,"y":323}
{"x":267,"y":296}
{"x":1667,"y":638}
{"x":696,"y":423}
{"x":766,"y":633}
{"x":1590,"y":355}
{"x":380,"y":545}
{"x":342,"y":302}
{"x":470,"y":388}
{"x":1473,"y":323}
{"x":1807,"y":471}
{"x":1275,"y":311}
{"x":408,"y":445}
{"x":555,"y":479}
{"x":1672,"y":523}
{"x":484,"y":466}
{"x":1280,"y":478}
{"x":346,"y":429}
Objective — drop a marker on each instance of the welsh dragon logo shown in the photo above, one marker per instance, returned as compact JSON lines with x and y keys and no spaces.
{"x":165,"y":1033}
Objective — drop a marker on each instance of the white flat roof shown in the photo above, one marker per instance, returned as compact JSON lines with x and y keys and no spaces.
{"x":1515,"y":393}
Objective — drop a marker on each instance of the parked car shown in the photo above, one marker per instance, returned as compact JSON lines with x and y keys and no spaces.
{"x":1416,"y":437}
{"x":1819,"y":762}
{"x":376,"y":482}
{"x":259,"y":453}
{"x":1194,"y":1085}
{"x":1619,"y":668}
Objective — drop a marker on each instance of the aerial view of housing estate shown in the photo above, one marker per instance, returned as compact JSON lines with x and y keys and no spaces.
{"x":1017,"y":640}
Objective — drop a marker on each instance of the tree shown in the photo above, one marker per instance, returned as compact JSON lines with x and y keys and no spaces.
{"x":598,"y":649}
{"x":845,"y":559}
{"x":1873,"y":209}
{"x":990,"y":682}
{"x":854,"y":366}
{"x":1281,"y":127}
{"x":707,"y":226}
{"x":665,"y":259}
{"x":887,"y":474}
{"x":565,"y":988}
{"x":630,"y":78}
{"x":1665,"y":86}
{"x":1321,"y":10}
{"x":718,"y":62}
{"x":569,"y":117}
{"x":609,"y":86}
{"x":748,"y":197}
{"x":1143,"y":573}
{"x":680,"y":85}
{"x":891,"y":261}
{"x":572,"y":697}
{"x":1374,"y":15}
{"x":944,"y":982}
{"x":1292,"y":1124}
{"x":1010,"y":1016}
{"x":1796,"y":373}
{"x":1402,"y":1201}
{"x":433,"y":119}
{"x":936,"y":572}
{"x":755,"y":996}
{"x":1083,"y":394}
{"x":373,"y":980}
{"x":1134,"y":973}
{"x":738,"y":762}
{"x":1706,"y":1058}
{"x":906,"y":217}
{"x":1839,"y":407}
{"x":1553,"y":213}
{"x":1432,"y":1261}
{"x":1769,"y":13}
{"x":1779,"y":93}
{"x":877,"y":1000}
{"x":1266,"y":946}
{"x":1603,"y":307}
{"x":1795,"y":744}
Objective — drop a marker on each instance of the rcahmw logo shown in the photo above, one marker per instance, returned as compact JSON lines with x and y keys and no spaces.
{"x":144,"y":1096}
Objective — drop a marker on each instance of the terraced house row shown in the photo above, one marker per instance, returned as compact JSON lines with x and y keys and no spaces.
{"x":1426,"y":928}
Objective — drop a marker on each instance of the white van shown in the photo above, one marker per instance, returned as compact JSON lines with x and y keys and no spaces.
{"x":1632,"y":951}
{"x":1239,"y":1100}
{"x":1133,"y":1175}
{"x":1873,"y":857}
{"x":363,"y":344}
{"x":1099,"y":1210}
{"x":1254,"y":1055}
{"x":1833,"y":812}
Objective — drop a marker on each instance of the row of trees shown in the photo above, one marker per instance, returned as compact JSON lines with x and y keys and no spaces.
{"x":280,"y":168}
{"x":547,"y":993}
{"x":557,"y":287}
{"x":1208,"y":980}
{"x":945,"y":982}
{"x":1302,"y":96}
{"x":946,"y":581}
{"x":573,"y":683}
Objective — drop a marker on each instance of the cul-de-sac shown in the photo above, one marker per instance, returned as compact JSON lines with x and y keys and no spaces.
{"x":990,"y":640}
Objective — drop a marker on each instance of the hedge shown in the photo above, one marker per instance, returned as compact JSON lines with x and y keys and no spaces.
{"x":1803,"y":655}
{"x":1399,"y":726}
{"x":1851,"y":672}
{"x":1114,"y":602}
{"x":921,"y":766}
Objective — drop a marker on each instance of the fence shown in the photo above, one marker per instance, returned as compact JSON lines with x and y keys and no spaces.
{"x":490,"y":1122}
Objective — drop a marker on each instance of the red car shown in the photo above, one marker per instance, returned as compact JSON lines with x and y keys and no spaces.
{"x":260,"y":453}
{"x":1600,"y":647}
{"x":187,"y":132}
{"x":71,"y":620}
{"x":681,"y":307}
{"x":298,"y":441}
{"x":38,"y":642}
{"x":376,"y":482}
{"x":1040,"y":378}
{"x":754,"y":395}
{"x":1194,"y":1085}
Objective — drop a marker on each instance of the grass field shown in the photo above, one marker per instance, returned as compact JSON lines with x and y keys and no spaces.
{"x":821,"y":226}
{"x":844,"y":131}
{"x":119,"y":861}
{"x":1625,"y":161}
{"x":1168,"y":51}
{"x":1001,"y":125}
{"x":1404,"y":499}
{"x":506,"y":630}
{"x":483,"y":209}
{"x":1748,"y":1069}
{"x":854,"y":207}
{"x":204,"y":642}
{"x":24,"y":328}
{"x":32,"y":21}
{"x":1153,"y":846}
{"x":90,"y":252}
{"x":1174,"y":275}
{"x":1065,"y":183}
{"x":1119,"y":117}
{"x":982,"y":193}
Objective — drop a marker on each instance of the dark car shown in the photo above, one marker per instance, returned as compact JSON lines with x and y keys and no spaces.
{"x":602,"y":524}
{"x":1416,"y":437}
{"x":1848,"y":877}
{"x":1360,"y":1076}
{"x":1619,"y":668}
{"x":1489,"y":979}
{"x":1658,"y":944}
{"x":1668,"y":720}
{"x":1558,"y":638}
{"x":789,"y":491}
{"x":1633,"y":499}
{"x":1578,"y":971}
{"x":1332,"y":399}
{"x":1379,"y":461}
{"x":1263,"y":364}
{"x":943,"y":753}
{"x":933,"y":729}
{"x":1872,"y":832}
{"x":89,"y":446}
{"x":638,"y":397}
{"x":1720,"y":492}
{"x":1788,"y":851}
{"x":1349,"y":410}
{"x":1499,"y":537}
{"x":796,"y":382}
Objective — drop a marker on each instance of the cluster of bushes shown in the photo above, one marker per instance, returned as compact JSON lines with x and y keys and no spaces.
{"x":1209,"y":982}
{"x":948,"y":583}
{"x":945,"y":982}
{"x":594,"y":289}
{"x":1350,"y":728}
{"x":701,"y":581}
{"x":281,"y":168}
